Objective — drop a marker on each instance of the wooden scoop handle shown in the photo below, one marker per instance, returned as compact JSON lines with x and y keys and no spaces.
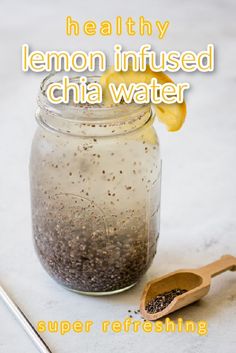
{"x":225,"y":263}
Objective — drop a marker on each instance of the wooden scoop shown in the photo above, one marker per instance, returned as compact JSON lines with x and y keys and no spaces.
{"x":196,"y":282}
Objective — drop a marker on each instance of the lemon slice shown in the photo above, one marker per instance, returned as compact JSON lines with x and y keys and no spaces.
{"x":172,"y":115}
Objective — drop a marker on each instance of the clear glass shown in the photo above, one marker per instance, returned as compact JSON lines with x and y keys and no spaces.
{"x":95,"y":189}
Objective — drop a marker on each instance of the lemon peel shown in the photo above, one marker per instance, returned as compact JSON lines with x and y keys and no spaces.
{"x":171,"y":115}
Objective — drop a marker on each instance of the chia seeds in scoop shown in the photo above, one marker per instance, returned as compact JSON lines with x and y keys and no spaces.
{"x":162,"y":300}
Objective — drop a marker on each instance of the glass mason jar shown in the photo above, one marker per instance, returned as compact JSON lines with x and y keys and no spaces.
{"x":95,"y":190}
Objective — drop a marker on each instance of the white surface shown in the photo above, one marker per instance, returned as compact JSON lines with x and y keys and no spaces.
{"x":198,"y":192}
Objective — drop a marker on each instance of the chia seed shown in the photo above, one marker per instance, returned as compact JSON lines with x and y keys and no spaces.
{"x":162,"y":300}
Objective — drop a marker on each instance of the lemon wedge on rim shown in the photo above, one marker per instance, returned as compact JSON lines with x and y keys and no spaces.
{"x":172,"y":115}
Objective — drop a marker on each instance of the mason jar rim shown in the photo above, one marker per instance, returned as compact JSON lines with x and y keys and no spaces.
{"x":68,"y":118}
{"x":52,"y":77}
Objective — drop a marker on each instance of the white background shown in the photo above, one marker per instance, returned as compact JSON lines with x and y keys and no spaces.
{"x":198,"y":192}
